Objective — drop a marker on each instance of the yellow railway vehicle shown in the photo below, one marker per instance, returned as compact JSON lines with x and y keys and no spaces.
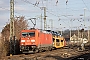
{"x":58,"y":41}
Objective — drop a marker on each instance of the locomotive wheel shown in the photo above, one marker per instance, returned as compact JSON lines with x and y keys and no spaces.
{"x":36,"y":50}
{"x":50,"y":49}
{"x":40,"y":50}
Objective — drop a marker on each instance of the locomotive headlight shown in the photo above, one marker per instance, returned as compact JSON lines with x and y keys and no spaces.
{"x":32,"y":40}
{"x":22,"y":40}
{"x":22,"y":44}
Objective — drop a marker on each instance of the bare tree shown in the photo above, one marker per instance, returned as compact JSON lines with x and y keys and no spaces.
{"x":3,"y":47}
{"x":20,"y":24}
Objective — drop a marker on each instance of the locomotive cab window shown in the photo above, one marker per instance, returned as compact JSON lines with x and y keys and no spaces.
{"x":61,"y":40}
{"x":57,"y":40}
{"x":25,"y":34}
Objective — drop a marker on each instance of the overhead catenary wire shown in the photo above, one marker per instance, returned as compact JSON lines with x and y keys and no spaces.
{"x":50,"y":12}
{"x":47,"y":10}
{"x":14,"y":11}
{"x":40,"y":8}
{"x":86,"y":6}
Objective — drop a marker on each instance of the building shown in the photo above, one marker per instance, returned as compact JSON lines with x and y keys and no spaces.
{"x":75,"y":39}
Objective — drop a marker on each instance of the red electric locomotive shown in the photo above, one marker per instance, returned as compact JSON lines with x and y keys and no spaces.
{"x":35,"y":40}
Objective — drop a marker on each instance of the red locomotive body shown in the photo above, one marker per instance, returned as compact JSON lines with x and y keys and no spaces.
{"x":35,"y":40}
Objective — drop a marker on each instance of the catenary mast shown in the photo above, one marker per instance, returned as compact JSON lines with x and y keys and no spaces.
{"x":11,"y":24}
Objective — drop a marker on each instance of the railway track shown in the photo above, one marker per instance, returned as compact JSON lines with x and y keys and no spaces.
{"x":57,"y":54}
{"x":63,"y":54}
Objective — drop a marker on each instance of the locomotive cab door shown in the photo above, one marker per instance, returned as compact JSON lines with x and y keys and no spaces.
{"x":62,"y":43}
{"x":57,"y":43}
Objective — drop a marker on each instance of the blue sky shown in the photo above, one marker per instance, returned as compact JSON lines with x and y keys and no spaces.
{"x":66,"y":15}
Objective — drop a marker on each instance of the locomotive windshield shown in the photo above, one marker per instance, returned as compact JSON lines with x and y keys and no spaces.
{"x":25,"y":34}
{"x":32,"y":34}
